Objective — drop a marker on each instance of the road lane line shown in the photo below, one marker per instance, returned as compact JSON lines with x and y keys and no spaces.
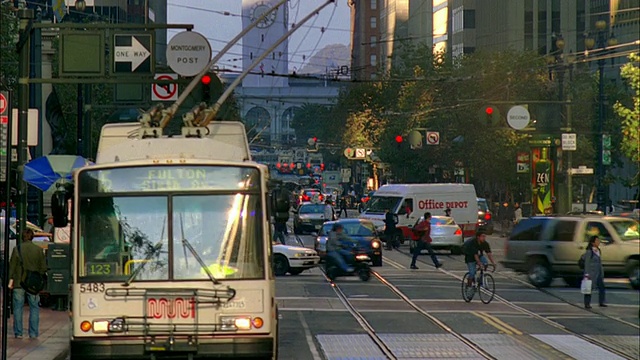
{"x":307,"y":334}
{"x":504,"y":324}
{"x":492,"y":323}
{"x":545,"y":319}
{"x":393,"y":263}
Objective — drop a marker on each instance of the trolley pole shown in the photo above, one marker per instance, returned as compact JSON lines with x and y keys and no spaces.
{"x":26,"y":17}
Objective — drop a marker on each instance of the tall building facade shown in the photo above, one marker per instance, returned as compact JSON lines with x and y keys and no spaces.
{"x":401,"y":22}
{"x":460,"y":27}
{"x":260,"y":39}
{"x":365,"y":38}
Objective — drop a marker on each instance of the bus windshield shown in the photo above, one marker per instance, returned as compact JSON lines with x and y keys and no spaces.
{"x":121,"y":232}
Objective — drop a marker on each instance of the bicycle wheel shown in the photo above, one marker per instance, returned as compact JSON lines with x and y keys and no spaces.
{"x":487,"y":289}
{"x":467,"y":291}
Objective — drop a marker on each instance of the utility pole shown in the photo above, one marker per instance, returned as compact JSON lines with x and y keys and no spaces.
{"x":26,"y":17}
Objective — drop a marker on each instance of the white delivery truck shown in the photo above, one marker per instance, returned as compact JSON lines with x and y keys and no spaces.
{"x":410,"y":201}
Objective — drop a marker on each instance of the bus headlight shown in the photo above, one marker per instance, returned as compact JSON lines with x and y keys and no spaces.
{"x":236,"y":323}
{"x":116,"y":325}
{"x":101,"y":326}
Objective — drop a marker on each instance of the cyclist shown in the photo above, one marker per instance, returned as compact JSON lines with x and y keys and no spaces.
{"x":474,"y":250}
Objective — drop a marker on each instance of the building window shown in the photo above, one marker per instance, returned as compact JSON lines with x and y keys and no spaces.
{"x":374,"y":4}
{"x":373,"y":59}
{"x":373,"y":41}
{"x":457,"y":20}
{"x":374,"y":22}
{"x":469,"y":19}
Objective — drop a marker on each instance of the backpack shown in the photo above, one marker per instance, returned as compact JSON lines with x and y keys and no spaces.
{"x":32,"y":281}
{"x":582,"y":260}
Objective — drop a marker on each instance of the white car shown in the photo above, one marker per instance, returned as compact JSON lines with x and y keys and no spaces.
{"x":293,"y":259}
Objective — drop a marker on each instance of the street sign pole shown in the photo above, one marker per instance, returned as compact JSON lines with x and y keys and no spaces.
{"x":7,"y":212}
{"x":26,"y":18}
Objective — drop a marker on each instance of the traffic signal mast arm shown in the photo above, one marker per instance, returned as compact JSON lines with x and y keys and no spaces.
{"x":213,"y":110}
{"x":170,"y":112}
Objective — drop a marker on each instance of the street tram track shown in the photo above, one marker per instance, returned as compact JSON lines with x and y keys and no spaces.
{"x":541,"y":317}
{"x":546,"y":292}
{"x":372,"y":332}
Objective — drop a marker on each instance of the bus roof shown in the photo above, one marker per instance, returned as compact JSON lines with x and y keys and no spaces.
{"x":401,"y":189}
{"x":226,"y":141}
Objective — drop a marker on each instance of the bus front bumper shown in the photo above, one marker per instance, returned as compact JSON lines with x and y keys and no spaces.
{"x":122,"y":347}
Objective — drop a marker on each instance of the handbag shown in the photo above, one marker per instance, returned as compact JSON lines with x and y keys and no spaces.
{"x":32,"y":281}
{"x":585,"y":286}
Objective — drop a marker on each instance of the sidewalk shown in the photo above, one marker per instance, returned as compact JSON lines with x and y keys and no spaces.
{"x":52,"y":344}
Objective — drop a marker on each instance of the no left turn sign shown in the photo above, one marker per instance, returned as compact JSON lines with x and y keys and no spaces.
{"x":3,"y":103}
{"x":164,"y":92}
{"x":433,"y":138}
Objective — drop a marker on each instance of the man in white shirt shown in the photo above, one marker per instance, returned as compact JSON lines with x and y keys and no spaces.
{"x":328,"y":211}
{"x":517,"y":214}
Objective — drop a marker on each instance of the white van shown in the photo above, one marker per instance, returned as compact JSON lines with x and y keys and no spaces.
{"x":422,"y":198}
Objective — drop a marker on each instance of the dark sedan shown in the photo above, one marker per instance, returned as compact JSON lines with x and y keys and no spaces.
{"x":364,"y":231}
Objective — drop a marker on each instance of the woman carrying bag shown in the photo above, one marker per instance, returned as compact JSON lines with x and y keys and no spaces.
{"x":593,"y":272}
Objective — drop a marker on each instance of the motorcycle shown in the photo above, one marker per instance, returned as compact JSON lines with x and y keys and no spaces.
{"x":359,"y":262}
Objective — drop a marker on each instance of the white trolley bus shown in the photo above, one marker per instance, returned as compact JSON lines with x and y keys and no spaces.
{"x":171,"y":249}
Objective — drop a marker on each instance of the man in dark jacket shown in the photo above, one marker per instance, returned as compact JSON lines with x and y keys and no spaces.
{"x":390,"y":221}
{"x":424,"y":242}
{"x":343,"y":207}
{"x":27,"y":257}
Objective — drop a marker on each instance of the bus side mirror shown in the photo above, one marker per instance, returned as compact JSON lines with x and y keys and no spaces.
{"x":60,"y":209}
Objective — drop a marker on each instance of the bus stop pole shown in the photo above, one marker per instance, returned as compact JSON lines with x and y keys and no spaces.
{"x":6,"y":239}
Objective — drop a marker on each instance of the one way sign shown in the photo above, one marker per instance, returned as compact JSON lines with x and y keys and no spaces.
{"x":133,"y":54}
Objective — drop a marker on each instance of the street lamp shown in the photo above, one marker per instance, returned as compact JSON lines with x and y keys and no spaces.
{"x":602,"y":40}
{"x":80,"y":5}
{"x":561,"y":63}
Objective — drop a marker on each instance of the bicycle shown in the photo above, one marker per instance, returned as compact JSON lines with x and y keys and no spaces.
{"x":483,"y":284}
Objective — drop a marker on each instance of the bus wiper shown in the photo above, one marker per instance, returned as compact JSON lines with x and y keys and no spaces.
{"x":153,"y":251}
{"x":193,"y":252}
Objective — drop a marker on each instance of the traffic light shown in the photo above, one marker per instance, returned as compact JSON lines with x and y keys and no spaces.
{"x":490,"y":115}
{"x":206,"y":88}
{"x":312,"y":144}
{"x":399,"y":139}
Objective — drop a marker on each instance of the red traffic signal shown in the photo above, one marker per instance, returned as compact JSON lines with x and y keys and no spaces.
{"x":398,"y":139}
{"x":206,"y":79}
{"x":489,"y":110}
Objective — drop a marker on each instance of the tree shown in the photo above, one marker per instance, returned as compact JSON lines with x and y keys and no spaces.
{"x":314,"y":120}
{"x":630,"y":116}
{"x":8,"y":39}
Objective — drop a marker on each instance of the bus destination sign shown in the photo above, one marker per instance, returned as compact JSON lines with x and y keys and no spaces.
{"x":169,"y":178}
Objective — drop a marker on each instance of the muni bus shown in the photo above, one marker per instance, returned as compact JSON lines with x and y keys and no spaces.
{"x":172,"y":249}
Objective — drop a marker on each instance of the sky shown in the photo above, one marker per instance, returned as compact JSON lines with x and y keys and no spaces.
{"x":220,"y":29}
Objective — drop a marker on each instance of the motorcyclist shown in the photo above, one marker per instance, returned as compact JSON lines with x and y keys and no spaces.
{"x":337,"y":245}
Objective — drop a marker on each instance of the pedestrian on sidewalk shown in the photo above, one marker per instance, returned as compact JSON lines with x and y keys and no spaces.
{"x":27,"y":257}
{"x":424,"y":242}
{"x":343,"y":207}
{"x":593,"y":270}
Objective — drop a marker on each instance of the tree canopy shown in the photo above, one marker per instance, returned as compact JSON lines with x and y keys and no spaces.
{"x":630,"y":115}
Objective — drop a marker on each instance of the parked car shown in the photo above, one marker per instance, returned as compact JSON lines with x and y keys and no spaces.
{"x":549,"y":247}
{"x":485,"y":217}
{"x":445,"y":234}
{"x":364,"y":231}
{"x":293,"y":258}
{"x":309,"y":217}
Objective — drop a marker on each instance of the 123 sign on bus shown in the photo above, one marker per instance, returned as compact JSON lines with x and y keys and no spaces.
{"x":169,"y":178}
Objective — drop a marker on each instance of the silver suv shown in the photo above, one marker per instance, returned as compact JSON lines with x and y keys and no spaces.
{"x":548,"y":247}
